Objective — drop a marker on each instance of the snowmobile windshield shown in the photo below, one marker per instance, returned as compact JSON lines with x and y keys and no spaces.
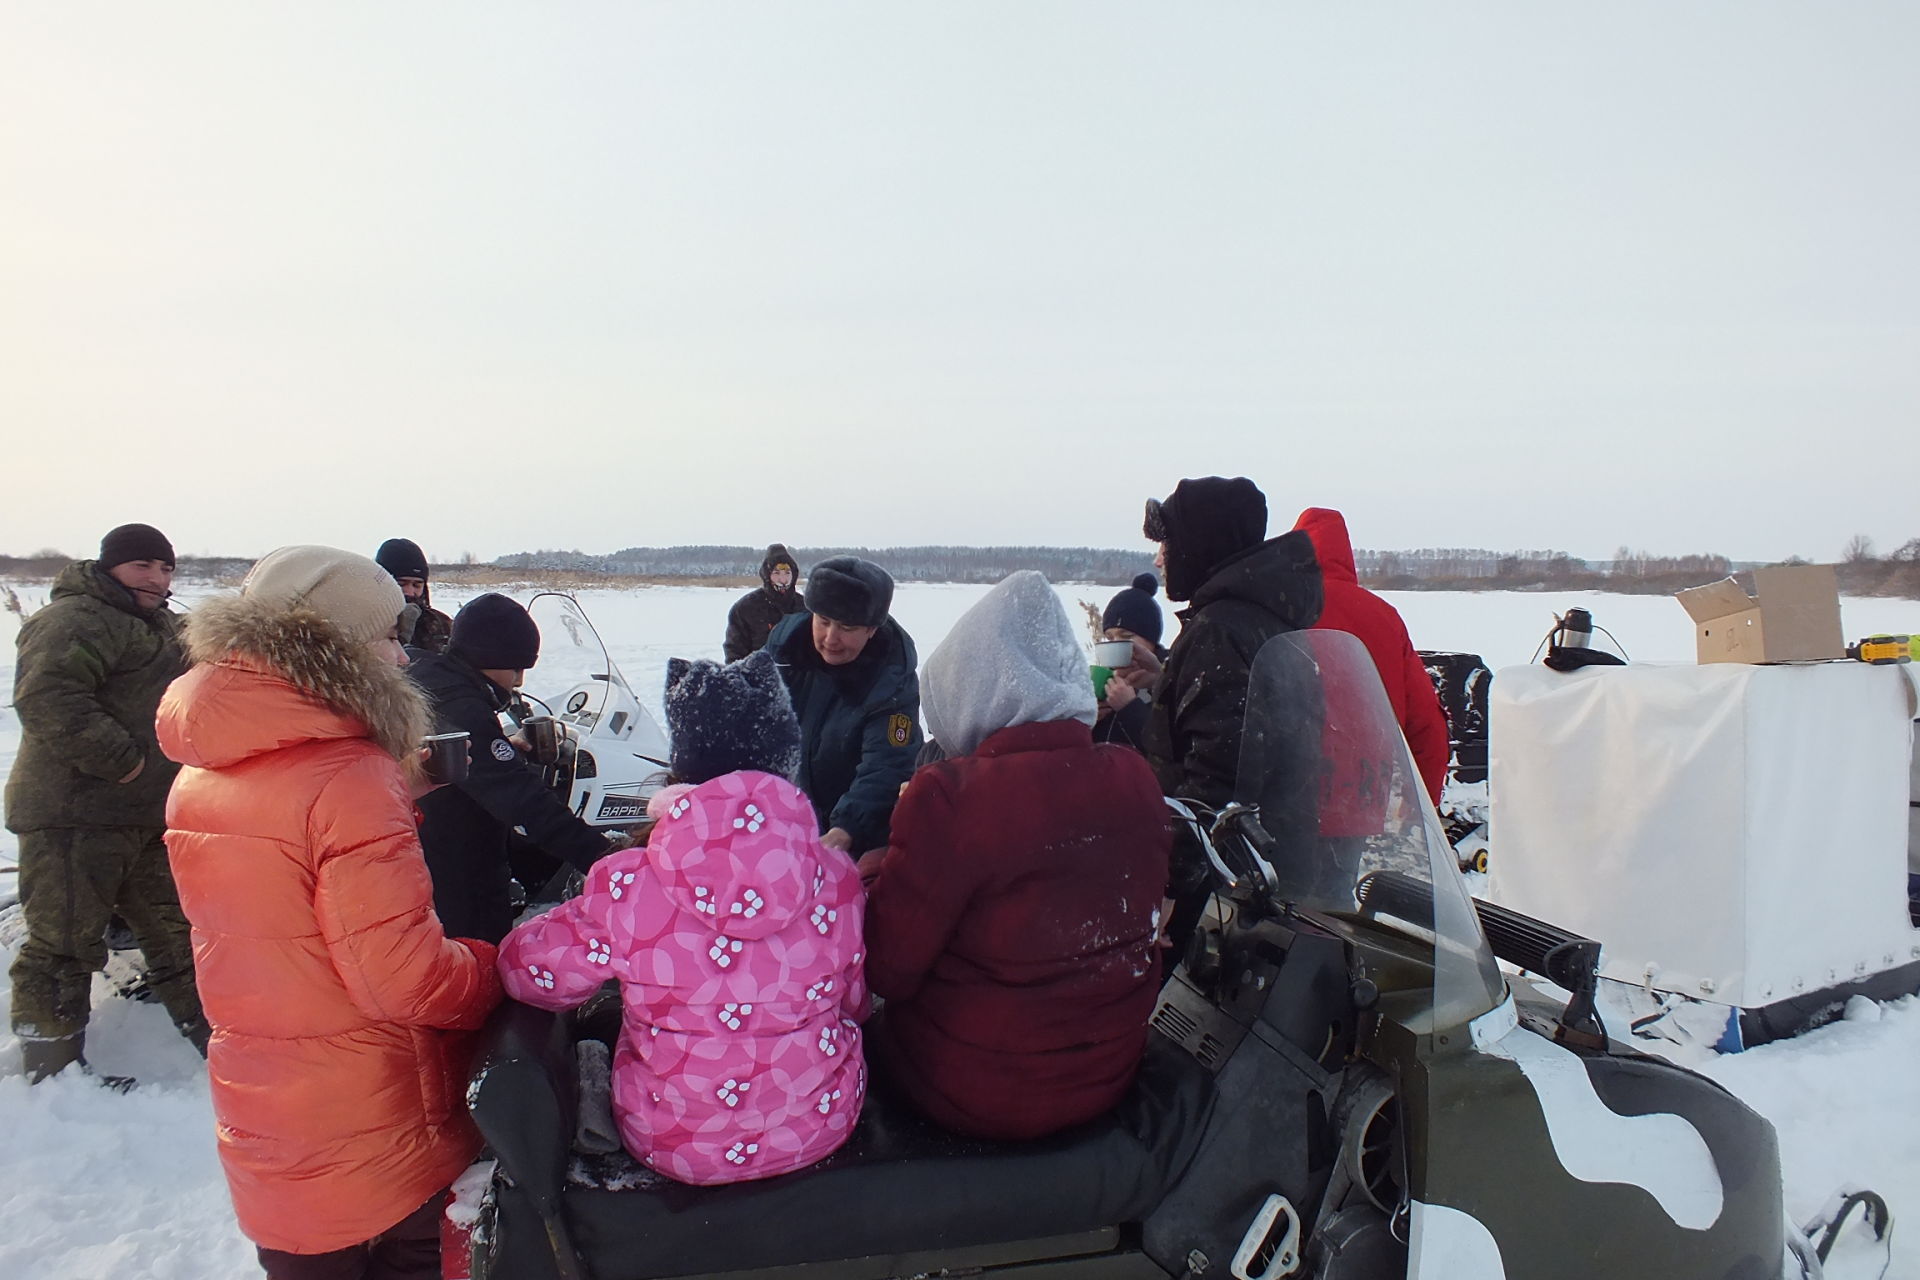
{"x":574,"y":677}
{"x":1352,"y":830}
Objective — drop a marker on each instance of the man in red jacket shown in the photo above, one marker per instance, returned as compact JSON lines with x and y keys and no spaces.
{"x":1355,"y":610}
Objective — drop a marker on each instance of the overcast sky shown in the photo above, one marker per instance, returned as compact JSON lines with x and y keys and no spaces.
{"x":591,"y":275}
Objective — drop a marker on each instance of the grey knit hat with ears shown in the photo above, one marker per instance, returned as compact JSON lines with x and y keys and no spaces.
{"x":725,"y":719}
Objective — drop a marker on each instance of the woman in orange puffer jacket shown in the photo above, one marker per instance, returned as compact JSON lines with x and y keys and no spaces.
{"x":328,"y":982}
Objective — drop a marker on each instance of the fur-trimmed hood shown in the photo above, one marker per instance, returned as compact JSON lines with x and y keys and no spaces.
{"x":267,"y":677}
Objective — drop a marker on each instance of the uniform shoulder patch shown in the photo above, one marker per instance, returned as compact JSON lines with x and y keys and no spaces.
{"x":899,"y":730}
{"x":503,"y":751}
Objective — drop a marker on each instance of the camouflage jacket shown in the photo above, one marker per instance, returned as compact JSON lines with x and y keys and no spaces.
{"x":90,"y":670}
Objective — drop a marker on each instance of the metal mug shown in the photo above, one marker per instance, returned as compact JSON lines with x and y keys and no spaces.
{"x":446,"y":756}
{"x":543,"y":739}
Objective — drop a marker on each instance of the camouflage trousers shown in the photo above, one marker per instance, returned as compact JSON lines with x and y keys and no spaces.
{"x":72,"y":879}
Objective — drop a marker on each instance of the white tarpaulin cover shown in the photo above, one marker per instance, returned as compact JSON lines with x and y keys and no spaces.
{"x":1734,"y":833}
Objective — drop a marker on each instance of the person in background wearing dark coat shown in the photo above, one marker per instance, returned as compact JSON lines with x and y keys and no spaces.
{"x":1132,"y":615}
{"x":87,"y":796}
{"x":851,"y":670}
{"x":755,"y":614}
{"x":1357,"y":611}
{"x":1013,"y":920}
{"x":467,"y":828}
{"x":422,"y":626}
{"x":1245,"y":588}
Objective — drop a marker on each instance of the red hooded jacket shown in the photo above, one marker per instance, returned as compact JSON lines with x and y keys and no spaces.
{"x":1357,"y":611}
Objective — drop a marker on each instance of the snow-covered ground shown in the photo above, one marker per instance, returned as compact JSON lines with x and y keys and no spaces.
{"x":95,"y":1184}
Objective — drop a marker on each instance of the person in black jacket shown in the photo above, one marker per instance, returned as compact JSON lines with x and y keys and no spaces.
{"x":1245,"y":588}
{"x":755,"y":615}
{"x":466,"y":828}
{"x":1134,"y":616}
{"x":851,"y":670}
{"x":421,"y":625}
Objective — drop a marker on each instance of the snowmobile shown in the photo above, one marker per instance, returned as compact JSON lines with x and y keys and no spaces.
{"x":608,"y":755}
{"x":1342,"y":1083}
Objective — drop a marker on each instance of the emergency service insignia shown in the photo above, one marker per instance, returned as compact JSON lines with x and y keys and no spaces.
{"x":503,"y":751}
{"x":899,"y":730}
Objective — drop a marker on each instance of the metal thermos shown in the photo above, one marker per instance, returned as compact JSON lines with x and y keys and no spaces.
{"x":1576,"y":630}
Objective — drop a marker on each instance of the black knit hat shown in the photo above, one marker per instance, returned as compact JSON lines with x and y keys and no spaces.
{"x":849,"y":590}
{"x":1203,"y":523}
{"x":403,"y":558}
{"x":1135,"y":610}
{"x":135,"y":542}
{"x":493,"y":632}
{"x":725,"y":719}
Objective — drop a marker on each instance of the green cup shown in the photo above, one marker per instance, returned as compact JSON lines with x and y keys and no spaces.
{"x":1100,"y":677}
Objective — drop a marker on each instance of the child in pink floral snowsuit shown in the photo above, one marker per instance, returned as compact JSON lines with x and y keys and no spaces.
{"x":736,"y":937}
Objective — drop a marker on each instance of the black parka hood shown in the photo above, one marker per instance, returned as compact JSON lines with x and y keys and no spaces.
{"x":777,"y":555}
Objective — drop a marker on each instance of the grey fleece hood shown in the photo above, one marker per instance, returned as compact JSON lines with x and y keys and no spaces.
{"x":1014,"y":658}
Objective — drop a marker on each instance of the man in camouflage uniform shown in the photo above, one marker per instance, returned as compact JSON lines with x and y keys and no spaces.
{"x":88,"y":794}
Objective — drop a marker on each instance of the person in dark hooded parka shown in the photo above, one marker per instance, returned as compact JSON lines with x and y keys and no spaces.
{"x":755,"y":614}
{"x":1245,"y":588}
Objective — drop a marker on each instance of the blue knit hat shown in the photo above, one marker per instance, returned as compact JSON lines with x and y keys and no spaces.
{"x":725,"y":719}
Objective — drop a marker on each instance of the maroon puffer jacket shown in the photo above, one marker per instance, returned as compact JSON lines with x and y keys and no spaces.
{"x":1012,"y":930}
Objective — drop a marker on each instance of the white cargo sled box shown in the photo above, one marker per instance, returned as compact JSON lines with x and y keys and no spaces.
{"x":1793,"y":616}
{"x":1730,"y":833}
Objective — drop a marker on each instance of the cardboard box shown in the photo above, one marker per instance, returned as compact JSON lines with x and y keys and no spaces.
{"x":1794,"y":617}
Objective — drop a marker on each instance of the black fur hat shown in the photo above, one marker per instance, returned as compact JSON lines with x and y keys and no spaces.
{"x":1203,"y":523}
{"x":725,"y":719}
{"x":850,"y":590}
{"x":1134,"y":609}
{"x":493,"y":632}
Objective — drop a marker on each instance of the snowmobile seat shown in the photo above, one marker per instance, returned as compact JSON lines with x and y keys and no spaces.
{"x":899,"y":1188}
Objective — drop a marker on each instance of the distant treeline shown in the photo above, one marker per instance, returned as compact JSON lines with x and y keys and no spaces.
{"x":907,"y":564}
{"x":1427,"y":569}
{"x":1453,"y":569}
{"x":1861,"y":571}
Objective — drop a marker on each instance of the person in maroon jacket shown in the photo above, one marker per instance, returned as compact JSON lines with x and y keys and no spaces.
{"x":1355,"y":610}
{"x":1013,"y":924}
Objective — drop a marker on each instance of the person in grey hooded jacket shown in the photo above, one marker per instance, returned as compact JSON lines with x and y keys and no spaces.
{"x":1013,"y":921}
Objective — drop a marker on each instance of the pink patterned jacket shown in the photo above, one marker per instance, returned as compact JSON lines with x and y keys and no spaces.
{"x":736,"y":937}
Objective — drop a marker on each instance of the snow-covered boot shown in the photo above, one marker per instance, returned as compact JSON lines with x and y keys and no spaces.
{"x":44,"y":1056}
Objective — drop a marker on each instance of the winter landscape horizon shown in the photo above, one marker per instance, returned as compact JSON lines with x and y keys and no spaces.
{"x":102,"y":1184}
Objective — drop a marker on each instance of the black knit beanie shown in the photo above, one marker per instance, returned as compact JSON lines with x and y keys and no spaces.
{"x":725,"y":719}
{"x":493,"y":632}
{"x":1134,"y":609}
{"x":403,"y":558}
{"x":135,"y":542}
{"x":1203,"y":523}
{"x":849,"y":590}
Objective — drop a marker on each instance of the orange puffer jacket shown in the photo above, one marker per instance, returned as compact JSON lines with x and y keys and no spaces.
{"x":331,"y":989}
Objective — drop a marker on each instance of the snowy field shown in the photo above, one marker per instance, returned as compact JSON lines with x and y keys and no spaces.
{"x":102,"y":1185}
